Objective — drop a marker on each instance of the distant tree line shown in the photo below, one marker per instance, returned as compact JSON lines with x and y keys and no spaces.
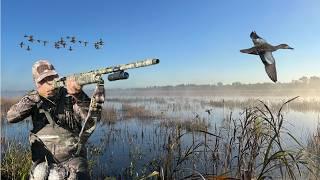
{"x":304,"y":82}
{"x":302,"y":86}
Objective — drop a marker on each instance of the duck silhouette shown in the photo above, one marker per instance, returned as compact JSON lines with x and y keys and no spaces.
{"x":30,"y":38}
{"x":45,"y":42}
{"x":61,"y":41}
{"x":56,"y":45}
{"x":264,"y":50}
{"x":21,"y":44}
{"x":208,"y":111}
{"x":73,"y":39}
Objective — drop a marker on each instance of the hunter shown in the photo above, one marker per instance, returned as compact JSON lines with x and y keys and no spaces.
{"x":63,"y":119}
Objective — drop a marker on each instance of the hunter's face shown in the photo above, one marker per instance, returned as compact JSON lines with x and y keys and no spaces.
{"x":45,"y":86}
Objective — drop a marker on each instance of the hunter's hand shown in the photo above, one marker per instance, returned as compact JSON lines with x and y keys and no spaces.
{"x":99,"y":93}
{"x":72,"y":86}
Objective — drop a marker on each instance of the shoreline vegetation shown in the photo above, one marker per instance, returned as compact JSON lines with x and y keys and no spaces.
{"x":247,"y":147}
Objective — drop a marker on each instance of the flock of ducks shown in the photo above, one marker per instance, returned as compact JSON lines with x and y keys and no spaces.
{"x":261,"y":47}
{"x":67,"y":42}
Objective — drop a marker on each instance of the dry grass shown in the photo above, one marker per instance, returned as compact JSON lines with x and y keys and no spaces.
{"x":16,"y":160}
{"x":251,"y":147}
{"x":109,"y":115}
{"x":300,"y":106}
{"x":157,"y":100}
{"x":190,"y":125}
{"x":313,"y":150}
{"x":140,"y":112}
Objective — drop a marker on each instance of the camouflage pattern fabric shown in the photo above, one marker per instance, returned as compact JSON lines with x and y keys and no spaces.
{"x":30,"y":104}
{"x":94,"y":76}
{"x":42,"y":69}
{"x":53,"y":139}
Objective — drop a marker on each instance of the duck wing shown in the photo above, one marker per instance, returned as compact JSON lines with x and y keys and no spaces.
{"x":252,"y":50}
{"x":257,"y":40}
{"x":267,"y":57}
{"x":271,"y":71}
{"x":270,"y":65}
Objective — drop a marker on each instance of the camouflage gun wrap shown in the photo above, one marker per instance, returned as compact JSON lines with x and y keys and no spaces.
{"x":94,"y":76}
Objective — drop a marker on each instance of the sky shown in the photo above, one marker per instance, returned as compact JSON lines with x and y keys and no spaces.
{"x":197,"y":42}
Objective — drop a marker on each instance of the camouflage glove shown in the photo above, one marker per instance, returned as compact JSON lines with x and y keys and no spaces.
{"x":99,"y":93}
{"x":33,"y":97}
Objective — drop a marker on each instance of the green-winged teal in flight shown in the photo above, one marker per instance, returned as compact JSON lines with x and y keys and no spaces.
{"x":264,"y":50}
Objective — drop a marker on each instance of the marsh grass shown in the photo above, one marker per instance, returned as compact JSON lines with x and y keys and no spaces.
{"x":129,"y":111}
{"x":300,"y":106}
{"x":15,"y":155}
{"x":109,"y":115}
{"x":313,"y":155}
{"x":196,"y":124}
{"x":16,"y":160}
{"x":251,"y":147}
{"x":157,"y":100}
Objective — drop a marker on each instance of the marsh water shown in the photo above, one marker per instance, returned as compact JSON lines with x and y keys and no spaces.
{"x":134,"y":146}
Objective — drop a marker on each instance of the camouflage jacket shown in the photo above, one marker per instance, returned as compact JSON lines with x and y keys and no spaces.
{"x":62,"y":135}
{"x":30,"y":104}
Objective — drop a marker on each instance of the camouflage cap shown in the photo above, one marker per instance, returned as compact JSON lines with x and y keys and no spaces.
{"x":42,"y":69}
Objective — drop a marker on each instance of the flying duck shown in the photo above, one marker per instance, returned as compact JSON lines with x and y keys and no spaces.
{"x":264,"y":50}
